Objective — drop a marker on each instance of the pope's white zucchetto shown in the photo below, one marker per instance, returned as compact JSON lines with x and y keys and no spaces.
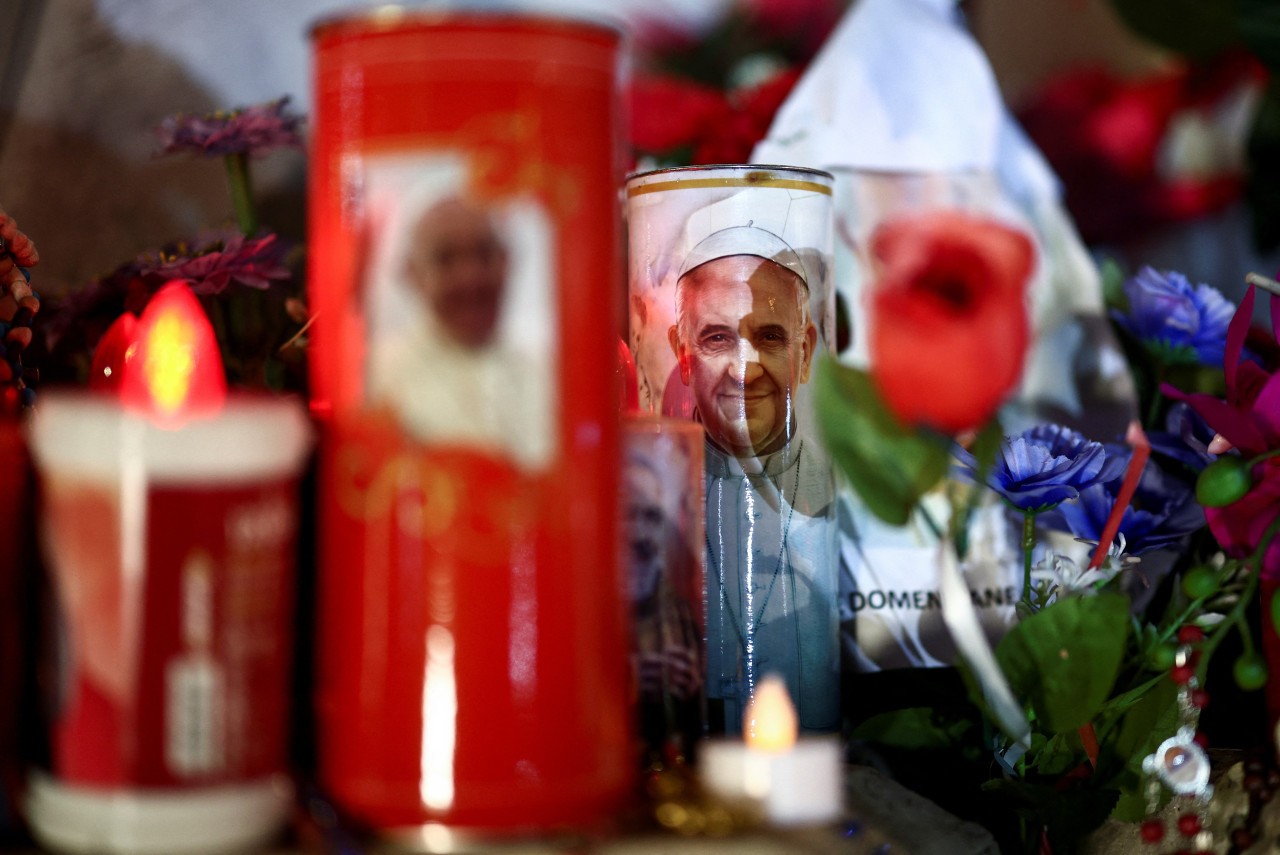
{"x":744,"y":240}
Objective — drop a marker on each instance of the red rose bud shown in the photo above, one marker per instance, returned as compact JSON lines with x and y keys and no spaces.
{"x":950,"y":291}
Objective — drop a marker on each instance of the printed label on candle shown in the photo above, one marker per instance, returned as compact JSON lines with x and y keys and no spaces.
{"x":177,"y":615}
{"x":459,"y":303}
{"x":194,"y":744}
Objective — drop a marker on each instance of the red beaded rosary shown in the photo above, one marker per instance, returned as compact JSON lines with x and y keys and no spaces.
{"x":18,"y":306}
{"x":1180,"y":764}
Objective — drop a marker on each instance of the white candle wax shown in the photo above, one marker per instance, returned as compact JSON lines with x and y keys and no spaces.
{"x":799,"y":785}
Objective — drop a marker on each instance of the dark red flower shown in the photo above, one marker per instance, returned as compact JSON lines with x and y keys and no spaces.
{"x":948,"y":319}
{"x":668,"y":113}
{"x":1103,"y":135}
{"x":1249,"y":418}
{"x":746,"y":121}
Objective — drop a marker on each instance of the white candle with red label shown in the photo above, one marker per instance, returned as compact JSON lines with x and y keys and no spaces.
{"x":169,"y":521}
{"x":794,"y":781}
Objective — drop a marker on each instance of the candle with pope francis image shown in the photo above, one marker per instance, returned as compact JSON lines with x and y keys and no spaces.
{"x":731,"y":305}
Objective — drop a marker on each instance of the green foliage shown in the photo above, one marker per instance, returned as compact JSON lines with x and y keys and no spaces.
{"x":1152,"y":719}
{"x":915,"y":729}
{"x":1065,"y":659}
{"x":1200,"y":29}
{"x":1113,"y":277}
{"x":889,"y":464}
{"x":1167,"y":354}
{"x":1067,"y":815}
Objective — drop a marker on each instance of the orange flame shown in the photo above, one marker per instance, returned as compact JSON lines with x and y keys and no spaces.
{"x":770,"y":721}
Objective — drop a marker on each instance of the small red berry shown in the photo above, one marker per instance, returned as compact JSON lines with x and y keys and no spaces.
{"x":1182,"y":674}
{"x":1189,"y":824}
{"x":1201,"y":740}
{"x":1190,"y":634}
{"x":1199,"y":699}
{"x":1153,"y":831}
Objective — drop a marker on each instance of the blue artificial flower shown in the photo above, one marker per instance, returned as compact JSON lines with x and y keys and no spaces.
{"x":1185,"y":438}
{"x":1045,"y":466}
{"x":1164,"y":511}
{"x":1178,"y":323}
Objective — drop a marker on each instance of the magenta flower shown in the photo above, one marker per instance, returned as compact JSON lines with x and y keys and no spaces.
{"x":1249,"y":418}
{"x":254,"y":131}
{"x":252,"y":262}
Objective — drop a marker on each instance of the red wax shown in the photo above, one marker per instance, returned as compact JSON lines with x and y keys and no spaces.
{"x":472,"y":664}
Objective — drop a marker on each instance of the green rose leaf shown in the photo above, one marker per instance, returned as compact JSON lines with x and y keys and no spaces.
{"x":914,"y":728}
{"x":1147,"y":723}
{"x":1064,"y":659}
{"x":889,"y":464}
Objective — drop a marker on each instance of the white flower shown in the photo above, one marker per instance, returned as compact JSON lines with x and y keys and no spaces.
{"x":1064,"y":576}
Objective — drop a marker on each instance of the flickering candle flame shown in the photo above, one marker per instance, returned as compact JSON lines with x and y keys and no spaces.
{"x":770,"y":720}
{"x":176,"y":372}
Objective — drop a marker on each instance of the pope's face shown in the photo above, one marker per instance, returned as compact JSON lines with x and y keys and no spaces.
{"x":743,"y":347}
{"x":460,"y":267}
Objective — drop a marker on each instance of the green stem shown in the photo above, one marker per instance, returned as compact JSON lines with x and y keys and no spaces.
{"x":1153,"y":411}
{"x":1235,"y":617}
{"x":1028,"y":544}
{"x":1261,"y":457}
{"x":241,"y":192}
{"x":930,"y":522}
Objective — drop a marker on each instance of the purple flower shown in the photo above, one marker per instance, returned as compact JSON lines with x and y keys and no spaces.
{"x":1174,"y":321}
{"x":1164,"y":510}
{"x":1045,"y":466}
{"x":1185,"y":438}
{"x":254,"y":131}
{"x":252,"y":262}
{"x":217,"y":261}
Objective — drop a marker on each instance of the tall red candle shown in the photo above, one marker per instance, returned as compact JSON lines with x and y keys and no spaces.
{"x":464,"y":270}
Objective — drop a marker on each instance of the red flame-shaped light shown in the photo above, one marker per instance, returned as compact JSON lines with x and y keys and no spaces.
{"x":175,"y":373}
{"x":116,"y":347}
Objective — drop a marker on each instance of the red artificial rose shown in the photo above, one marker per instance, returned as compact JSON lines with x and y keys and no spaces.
{"x":667,"y":113}
{"x":1104,"y":134}
{"x":738,"y":130}
{"x":948,"y":328}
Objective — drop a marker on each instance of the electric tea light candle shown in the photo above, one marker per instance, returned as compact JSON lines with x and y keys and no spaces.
{"x":794,"y":781}
{"x":169,"y":520}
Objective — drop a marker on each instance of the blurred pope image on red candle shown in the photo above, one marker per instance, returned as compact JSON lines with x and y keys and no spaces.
{"x":465,"y":272}
{"x":169,"y":517}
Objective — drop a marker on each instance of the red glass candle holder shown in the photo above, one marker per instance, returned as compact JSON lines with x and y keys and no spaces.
{"x":465,"y":271}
